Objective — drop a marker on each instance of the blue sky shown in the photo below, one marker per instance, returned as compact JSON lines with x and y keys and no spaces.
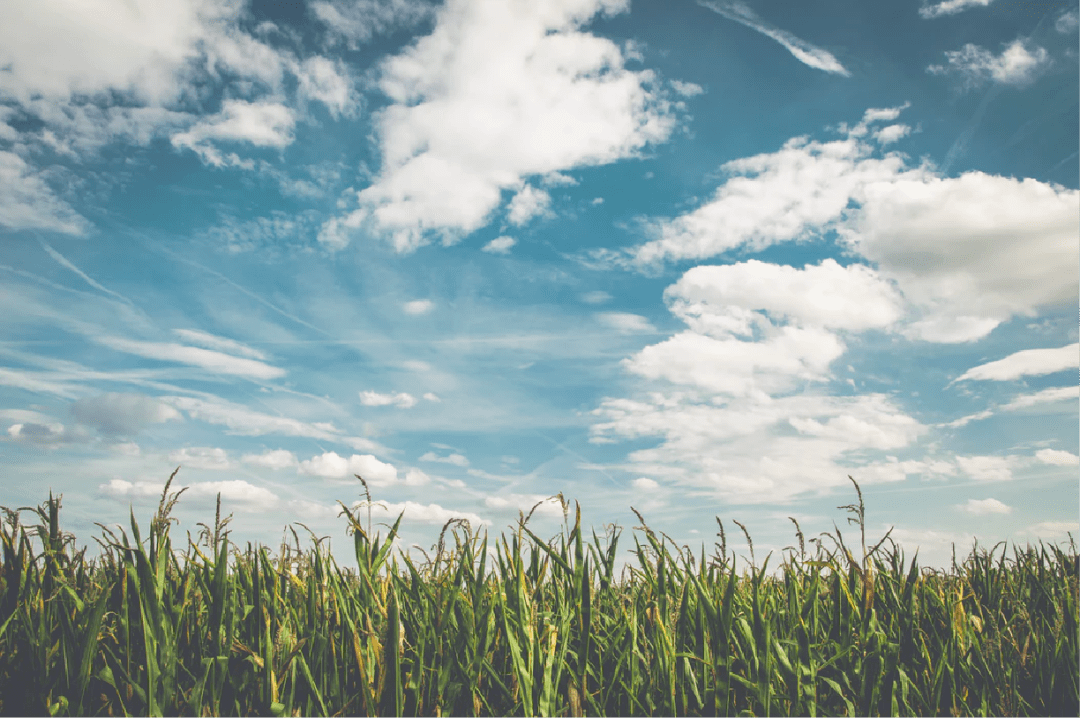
{"x":705,"y":259}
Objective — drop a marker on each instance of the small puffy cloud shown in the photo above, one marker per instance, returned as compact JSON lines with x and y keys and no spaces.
{"x":1055,"y":457}
{"x":1067,"y":22}
{"x":332,"y":466}
{"x":455,"y":459}
{"x":625,"y":322}
{"x":986,"y":468}
{"x":1016,"y":65}
{"x":1029,"y":362}
{"x":500,"y":245}
{"x":548,"y":506}
{"x":981,"y":507}
{"x":327,"y":82}
{"x":686,"y":89}
{"x":247,"y":496}
{"x":529,"y":202}
{"x":891,"y":133}
{"x":644,"y":484}
{"x":427,"y":513}
{"x":212,"y":361}
{"x":416,"y":477}
{"x":596,"y":297}
{"x":401,"y":399}
{"x":27,"y":202}
{"x":432,"y":397}
{"x":48,"y":435}
{"x":118,"y":414}
{"x":201,"y":457}
{"x":950,"y":7}
{"x":263,"y":124}
{"x":418,"y":306}
{"x":278,"y":459}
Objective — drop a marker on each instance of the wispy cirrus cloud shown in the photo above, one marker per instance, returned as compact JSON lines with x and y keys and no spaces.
{"x":950,"y":7}
{"x":804,"y":52}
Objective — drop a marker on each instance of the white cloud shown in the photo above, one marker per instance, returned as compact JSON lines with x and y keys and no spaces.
{"x":500,"y":245}
{"x":249,"y":497}
{"x":27,"y":202}
{"x":418,"y":306}
{"x":501,"y":90}
{"x":416,"y":477}
{"x":1054,"y":529}
{"x":596,"y":297}
{"x":644,"y":484}
{"x":201,"y":457}
{"x":118,"y":414}
{"x":1016,"y":65}
{"x":1067,"y":22}
{"x":525,"y":502}
{"x":243,"y":421}
{"x":686,"y":89}
{"x":219,"y":343}
{"x":950,"y":7}
{"x":1057,"y":458}
{"x":357,"y":21}
{"x":328,"y":82}
{"x":210,"y":360}
{"x":725,"y":299}
{"x":332,"y":466}
{"x":277,"y":459}
{"x":891,"y":133}
{"x":426,"y":513}
{"x":981,"y":507}
{"x":1029,"y":362}
{"x":1046,"y":396}
{"x":758,"y":449}
{"x":804,"y":52}
{"x":455,"y":459}
{"x":625,"y":322}
{"x":529,"y":202}
{"x":432,"y":397}
{"x":262,"y":123}
{"x":986,"y":468}
{"x":401,"y":399}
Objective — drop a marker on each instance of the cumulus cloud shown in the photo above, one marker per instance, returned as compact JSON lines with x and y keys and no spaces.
{"x":401,"y":399}
{"x":528,"y":203}
{"x":247,"y":496}
{"x":804,"y":52}
{"x":201,"y":457}
{"x":277,"y":459}
{"x":356,"y":21}
{"x":328,"y":82}
{"x":687,"y":89}
{"x":1029,"y":362}
{"x":332,"y":466}
{"x":1067,"y":22}
{"x":981,"y":507}
{"x":625,"y":322}
{"x":262,"y":124}
{"x":548,"y":506}
{"x":500,"y":245}
{"x":1016,"y":65}
{"x":986,"y":468}
{"x":644,"y":484}
{"x":118,"y":414}
{"x":498,"y":92}
{"x":1055,"y":457}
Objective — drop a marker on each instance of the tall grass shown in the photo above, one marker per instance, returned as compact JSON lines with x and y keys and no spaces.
{"x":225,"y":632}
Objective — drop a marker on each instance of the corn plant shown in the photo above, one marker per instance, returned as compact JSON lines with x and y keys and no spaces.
{"x":546,"y":629}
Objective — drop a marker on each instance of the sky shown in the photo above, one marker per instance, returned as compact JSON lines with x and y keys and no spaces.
{"x":703,"y":259}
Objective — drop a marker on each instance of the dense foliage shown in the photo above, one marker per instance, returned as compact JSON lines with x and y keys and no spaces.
{"x":145,"y":631}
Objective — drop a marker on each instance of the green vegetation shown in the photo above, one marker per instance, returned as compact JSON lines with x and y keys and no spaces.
{"x":141,"y":631}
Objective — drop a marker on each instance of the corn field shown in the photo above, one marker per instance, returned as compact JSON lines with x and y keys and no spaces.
{"x":146,"y":630}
